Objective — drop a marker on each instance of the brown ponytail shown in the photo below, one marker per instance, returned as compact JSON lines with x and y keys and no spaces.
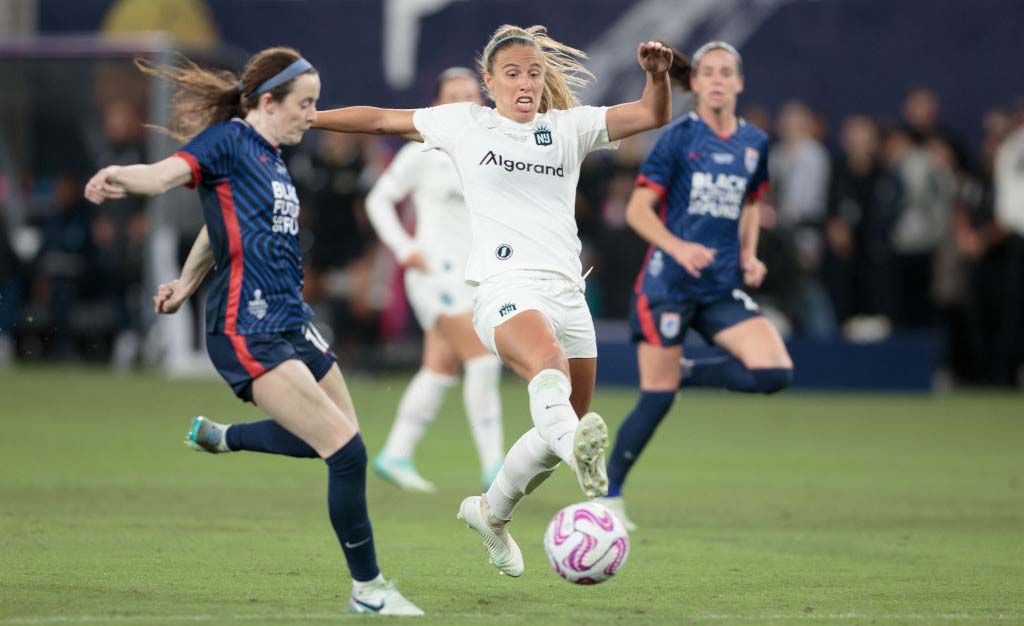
{"x":205,"y":97}
{"x":681,"y":69}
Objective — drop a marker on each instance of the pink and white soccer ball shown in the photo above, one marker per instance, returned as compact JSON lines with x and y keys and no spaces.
{"x":586,"y":544}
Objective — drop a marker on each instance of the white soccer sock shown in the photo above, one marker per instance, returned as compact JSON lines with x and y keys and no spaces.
{"x":552,"y":413}
{"x":418,"y":407}
{"x":528,"y":463}
{"x":483,"y":407}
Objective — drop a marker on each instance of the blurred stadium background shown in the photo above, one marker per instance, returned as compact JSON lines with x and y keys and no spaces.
{"x":894,"y":239}
{"x":895,"y":248}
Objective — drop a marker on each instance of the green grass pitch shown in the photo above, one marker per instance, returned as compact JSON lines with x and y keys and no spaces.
{"x":793,"y":509}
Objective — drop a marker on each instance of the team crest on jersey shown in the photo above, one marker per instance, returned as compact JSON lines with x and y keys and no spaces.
{"x":503,"y":252}
{"x":542,"y":136}
{"x":258,"y":306}
{"x":669,"y":325}
{"x":750,"y":159}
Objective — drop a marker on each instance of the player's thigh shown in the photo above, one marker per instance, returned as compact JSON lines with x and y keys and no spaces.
{"x":756,"y":343}
{"x":583,"y":375}
{"x":458,"y":333}
{"x":292,"y":397}
{"x":528,"y":345}
{"x":334,"y":385}
{"x":438,"y":353}
{"x":659,"y":366}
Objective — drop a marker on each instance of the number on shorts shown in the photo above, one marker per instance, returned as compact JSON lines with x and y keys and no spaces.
{"x":748,"y":302}
{"x":313,"y":336}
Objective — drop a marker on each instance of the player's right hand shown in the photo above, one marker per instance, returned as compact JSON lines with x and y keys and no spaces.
{"x":169,"y":298}
{"x":100,"y":187}
{"x":692,"y":256}
{"x":415,"y":261}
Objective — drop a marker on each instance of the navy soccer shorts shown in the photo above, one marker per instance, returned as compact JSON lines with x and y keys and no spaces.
{"x":664,"y":322}
{"x":241,"y":359}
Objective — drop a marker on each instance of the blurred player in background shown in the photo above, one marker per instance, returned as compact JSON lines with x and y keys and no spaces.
{"x":435,"y":268}
{"x":259,"y":334}
{"x":519,"y":164}
{"x":697,"y":202}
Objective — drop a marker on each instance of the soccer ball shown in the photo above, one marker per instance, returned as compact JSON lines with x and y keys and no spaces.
{"x":586,"y":544}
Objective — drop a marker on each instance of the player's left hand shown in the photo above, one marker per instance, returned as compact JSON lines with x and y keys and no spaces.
{"x":169,"y":298}
{"x":654,"y":57}
{"x":754,"y":271}
{"x":100,"y":187}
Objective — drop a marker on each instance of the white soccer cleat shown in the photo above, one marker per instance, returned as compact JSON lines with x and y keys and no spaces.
{"x":618,"y":508}
{"x":207,"y":436}
{"x":380,"y":597}
{"x":502,"y":549}
{"x":588,"y":445}
{"x":402,"y":473}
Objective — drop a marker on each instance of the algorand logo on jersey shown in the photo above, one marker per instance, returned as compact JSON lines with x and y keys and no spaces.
{"x":717,"y":195}
{"x":286,"y":208}
{"x":510,"y":165}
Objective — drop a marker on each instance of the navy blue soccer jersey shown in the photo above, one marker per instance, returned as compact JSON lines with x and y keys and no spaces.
{"x":703,"y":181}
{"x":252,"y":216}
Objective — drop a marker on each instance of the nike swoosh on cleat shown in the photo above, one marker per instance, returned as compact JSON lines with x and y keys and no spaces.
{"x":551,"y":406}
{"x":356,"y":545}
{"x":372,"y":607}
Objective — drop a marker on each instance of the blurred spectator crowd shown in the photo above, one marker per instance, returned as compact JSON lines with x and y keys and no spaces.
{"x":873,"y":226}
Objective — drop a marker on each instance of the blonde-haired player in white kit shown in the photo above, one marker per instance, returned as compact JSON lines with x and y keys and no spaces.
{"x":435,"y":267}
{"x":519,"y":164}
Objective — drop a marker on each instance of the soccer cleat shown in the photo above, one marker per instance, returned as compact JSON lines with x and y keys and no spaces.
{"x":402,"y":473}
{"x":617,"y":506}
{"x":502,"y":549}
{"x":380,"y":597}
{"x":488,"y":475}
{"x":207,"y":436}
{"x":588,"y":447}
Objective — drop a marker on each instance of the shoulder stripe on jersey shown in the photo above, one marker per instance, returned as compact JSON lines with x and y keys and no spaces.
{"x":227,"y":210}
{"x":643,"y":312}
{"x":197,"y":174}
{"x":658,"y":188}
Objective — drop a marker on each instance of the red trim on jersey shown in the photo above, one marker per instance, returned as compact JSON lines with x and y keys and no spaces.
{"x":757,"y":194}
{"x":643,"y":313}
{"x":227,"y":211}
{"x":197,"y":174}
{"x":658,"y":188}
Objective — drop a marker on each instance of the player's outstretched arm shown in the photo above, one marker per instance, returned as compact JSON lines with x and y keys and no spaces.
{"x":170,"y":296}
{"x":654,"y":108}
{"x":641,"y":217}
{"x":370,"y":120}
{"x":117,"y":181}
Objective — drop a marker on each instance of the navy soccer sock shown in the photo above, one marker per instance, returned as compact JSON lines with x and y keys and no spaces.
{"x":346,"y":502}
{"x":268,"y":436}
{"x":634,"y":433}
{"x":725,"y":371}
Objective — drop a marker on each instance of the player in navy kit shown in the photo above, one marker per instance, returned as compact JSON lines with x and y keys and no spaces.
{"x":258,"y":328}
{"x":697,"y":202}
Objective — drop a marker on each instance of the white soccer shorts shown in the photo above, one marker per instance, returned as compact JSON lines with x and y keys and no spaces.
{"x":435,"y":294}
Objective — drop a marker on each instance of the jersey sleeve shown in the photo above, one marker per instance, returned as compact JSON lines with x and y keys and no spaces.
{"x":391,"y":188}
{"x":592,"y":129}
{"x":758,"y":184}
{"x":660,"y":167}
{"x":442,"y":125}
{"x":211,"y":154}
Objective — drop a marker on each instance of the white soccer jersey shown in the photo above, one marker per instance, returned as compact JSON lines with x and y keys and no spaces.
{"x":519,"y":181}
{"x":442,"y":221}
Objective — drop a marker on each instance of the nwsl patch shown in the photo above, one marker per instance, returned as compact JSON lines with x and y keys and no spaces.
{"x":669,"y":325}
{"x":750,"y":159}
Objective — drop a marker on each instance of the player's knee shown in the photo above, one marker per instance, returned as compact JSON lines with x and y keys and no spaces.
{"x":772,"y":380}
